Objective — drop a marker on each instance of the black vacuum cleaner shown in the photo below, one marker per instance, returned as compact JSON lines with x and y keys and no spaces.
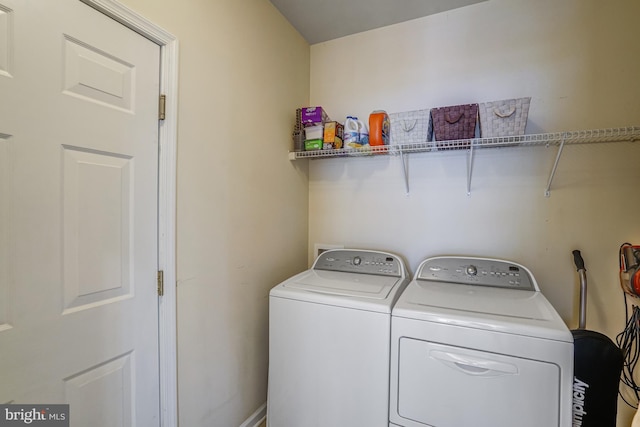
{"x":597,"y":368}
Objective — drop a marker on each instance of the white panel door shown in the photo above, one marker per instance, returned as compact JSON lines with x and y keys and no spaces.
{"x":78,"y":213}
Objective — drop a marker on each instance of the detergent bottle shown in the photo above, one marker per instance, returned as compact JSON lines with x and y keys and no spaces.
{"x":351,"y":136}
{"x":363,"y":133}
{"x":379,"y":126}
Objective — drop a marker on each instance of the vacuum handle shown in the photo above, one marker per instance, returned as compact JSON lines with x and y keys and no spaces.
{"x":582,"y":315}
{"x":577,"y":259}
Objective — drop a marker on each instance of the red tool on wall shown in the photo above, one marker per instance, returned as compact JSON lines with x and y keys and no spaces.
{"x":630,"y":269}
{"x":628,"y":339}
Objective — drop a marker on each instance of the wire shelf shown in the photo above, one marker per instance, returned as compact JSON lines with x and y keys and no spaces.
{"x":346,"y":152}
{"x":623,"y":134}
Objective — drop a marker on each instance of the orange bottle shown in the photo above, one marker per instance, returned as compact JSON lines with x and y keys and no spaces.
{"x":379,"y":128}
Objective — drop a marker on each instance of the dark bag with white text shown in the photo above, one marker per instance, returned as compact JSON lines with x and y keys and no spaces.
{"x":597,"y":368}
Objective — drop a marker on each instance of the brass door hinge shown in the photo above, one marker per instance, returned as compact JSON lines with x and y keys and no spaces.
{"x":162,"y":107}
{"x":160,"y":283}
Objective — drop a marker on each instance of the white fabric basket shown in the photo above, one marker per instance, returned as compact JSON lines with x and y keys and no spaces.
{"x":410,"y":127}
{"x":503,"y":118}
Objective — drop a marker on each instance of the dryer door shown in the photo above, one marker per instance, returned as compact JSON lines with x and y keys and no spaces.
{"x":448,"y":386}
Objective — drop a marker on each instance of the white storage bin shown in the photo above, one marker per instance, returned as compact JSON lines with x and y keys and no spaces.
{"x":314,"y":132}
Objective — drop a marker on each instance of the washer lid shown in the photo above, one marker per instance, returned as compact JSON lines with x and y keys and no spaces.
{"x":352,"y":278}
{"x":344,"y":284}
{"x":348,"y":290}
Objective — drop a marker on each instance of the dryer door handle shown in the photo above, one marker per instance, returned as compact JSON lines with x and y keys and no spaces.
{"x":475,"y":366}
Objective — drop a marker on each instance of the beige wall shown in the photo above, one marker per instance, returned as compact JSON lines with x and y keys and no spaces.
{"x":242,"y":205}
{"x":577,"y":59}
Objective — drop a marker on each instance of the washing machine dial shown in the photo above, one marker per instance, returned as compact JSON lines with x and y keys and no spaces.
{"x":471,"y":270}
{"x":357,"y":260}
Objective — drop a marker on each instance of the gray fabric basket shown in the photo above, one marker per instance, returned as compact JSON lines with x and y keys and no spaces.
{"x":455,"y":122}
{"x":503,"y":118}
{"x":410,"y":127}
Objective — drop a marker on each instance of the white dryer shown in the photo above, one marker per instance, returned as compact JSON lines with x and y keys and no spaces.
{"x":475,"y":343}
{"x":329,"y":347}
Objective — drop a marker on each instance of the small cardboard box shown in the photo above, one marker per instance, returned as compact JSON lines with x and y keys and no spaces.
{"x":312,"y":116}
{"x":333,"y":134}
{"x":313,"y":144}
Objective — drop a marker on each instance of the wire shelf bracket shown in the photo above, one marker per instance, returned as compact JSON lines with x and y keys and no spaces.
{"x":547,"y":191}
{"x":470,"y":167}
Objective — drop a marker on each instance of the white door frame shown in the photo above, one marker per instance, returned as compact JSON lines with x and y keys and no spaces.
{"x":166,"y":198}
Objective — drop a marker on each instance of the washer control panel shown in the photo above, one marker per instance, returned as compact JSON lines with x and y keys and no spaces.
{"x":360,"y":261}
{"x":477,"y":271}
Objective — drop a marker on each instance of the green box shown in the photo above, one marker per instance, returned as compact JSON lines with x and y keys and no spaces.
{"x":313,"y":144}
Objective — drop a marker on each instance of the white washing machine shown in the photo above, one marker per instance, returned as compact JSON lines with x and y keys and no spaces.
{"x":475,"y":343}
{"x":329,"y":347}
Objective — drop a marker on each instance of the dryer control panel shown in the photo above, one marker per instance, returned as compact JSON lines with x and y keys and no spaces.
{"x":360,"y":261}
{"x":477,"y":271}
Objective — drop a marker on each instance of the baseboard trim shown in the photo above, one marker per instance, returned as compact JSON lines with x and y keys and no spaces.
{"x":257,"y":417}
